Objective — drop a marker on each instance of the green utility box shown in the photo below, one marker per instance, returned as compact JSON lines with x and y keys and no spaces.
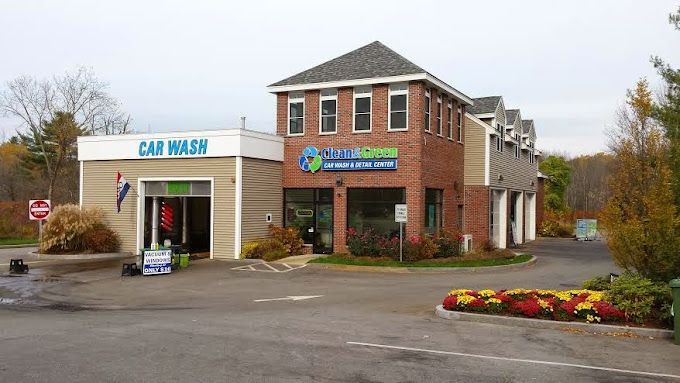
{"x":675,"y":287}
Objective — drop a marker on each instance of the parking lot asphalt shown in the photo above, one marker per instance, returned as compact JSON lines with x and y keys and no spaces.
{"x":212,"y":322}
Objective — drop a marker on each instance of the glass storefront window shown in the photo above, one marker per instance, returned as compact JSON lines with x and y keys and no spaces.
{"x":433,"y":210}
{"x":374,"y":209}
{"x":311,"y":212}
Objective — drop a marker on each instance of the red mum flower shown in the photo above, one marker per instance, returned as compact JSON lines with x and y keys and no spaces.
{"x":503,"y":297}
{"x":607,"y":311}
{"x":477,"y":303}
{"x":351,"y":232}
{"x":450,"y":302}
{"x":528,"y":307}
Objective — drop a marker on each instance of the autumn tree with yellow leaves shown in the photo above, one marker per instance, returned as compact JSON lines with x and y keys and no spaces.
{"x":640,"y":218}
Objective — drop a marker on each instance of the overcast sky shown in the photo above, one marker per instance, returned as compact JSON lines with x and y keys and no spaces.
{"x":191,"y":65}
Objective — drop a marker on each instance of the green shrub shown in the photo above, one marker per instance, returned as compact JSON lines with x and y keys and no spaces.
{"x":640,"y":298}
{"x":597,"y":283}
{"x":260,"y":248}
{"x":100,"y":239}
{"x":66,"y":226}
{"x":419,"y":247}
{"x":289,"y":237}
{"x":275,"y":254}
{"x":448,"y":244}
{"x":552,"y":228}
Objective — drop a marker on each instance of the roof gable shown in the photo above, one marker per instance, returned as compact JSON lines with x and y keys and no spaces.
{"x":370,"y":61}
{"x":511,"y":116}
{"x":483,"y":105}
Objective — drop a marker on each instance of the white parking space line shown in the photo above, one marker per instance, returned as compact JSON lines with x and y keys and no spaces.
{"x":265,"y":267}
{"x":543,"y":362}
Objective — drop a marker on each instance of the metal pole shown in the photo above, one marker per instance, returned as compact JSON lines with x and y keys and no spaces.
{"x":185,"y":227}
{"x":154,"y":220}
{"x":40,"y":230}
{"x":401,"y":241}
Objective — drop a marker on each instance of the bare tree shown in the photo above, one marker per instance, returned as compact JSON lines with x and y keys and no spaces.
{"x":79,"y":94}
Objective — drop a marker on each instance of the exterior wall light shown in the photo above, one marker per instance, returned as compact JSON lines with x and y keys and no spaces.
{"x":338,"y":180}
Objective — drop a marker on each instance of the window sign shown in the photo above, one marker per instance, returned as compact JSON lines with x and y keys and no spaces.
{"x":358,"y":158}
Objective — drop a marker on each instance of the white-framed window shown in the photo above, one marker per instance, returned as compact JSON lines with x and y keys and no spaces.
{"x":517,"y":151}
{"x":328,"y":111}
{"x":459,"y":122}
{"x":427,"y":110}
{"x":532,"y":154}
{"x":296,"y":113}
{"x":398,"y":107}
{"x":362,"y":109}
{"x":439,"y":115}
{"x":449,"y":121}
{"x":500,"y":137}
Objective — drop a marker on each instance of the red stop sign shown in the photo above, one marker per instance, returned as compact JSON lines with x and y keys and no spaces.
{"x":38,"y":209}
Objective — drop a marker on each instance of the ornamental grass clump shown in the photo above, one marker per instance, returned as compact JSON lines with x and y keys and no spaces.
{"x":72,"y":229}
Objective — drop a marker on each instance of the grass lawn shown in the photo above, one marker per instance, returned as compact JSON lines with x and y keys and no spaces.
{"x":343,"y":259}
{"x":18,"y":241}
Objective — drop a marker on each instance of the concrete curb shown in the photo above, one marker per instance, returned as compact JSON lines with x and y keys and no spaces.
{"x":450,"y":270}
{"x":82,"y":257}
{"x":18,"y":246}
{"x":548,"y":324}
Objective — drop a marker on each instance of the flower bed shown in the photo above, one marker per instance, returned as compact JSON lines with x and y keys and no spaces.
{"x":568,"y":305}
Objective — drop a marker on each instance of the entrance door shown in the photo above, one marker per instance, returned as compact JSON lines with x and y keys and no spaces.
{"x":311,"y":212}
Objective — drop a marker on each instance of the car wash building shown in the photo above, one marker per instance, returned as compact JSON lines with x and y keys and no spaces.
{"x":208,"y":191}
{"x":363,"y":132}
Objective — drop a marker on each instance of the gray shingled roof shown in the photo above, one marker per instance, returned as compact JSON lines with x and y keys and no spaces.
{"x":511,"y":115}
{"x":485,"y":105}
{"x":526,"y":126}
{"x":370,"y":61}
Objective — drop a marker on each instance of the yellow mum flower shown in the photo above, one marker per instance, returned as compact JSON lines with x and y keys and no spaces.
{"x":494,"y":300}
{"x":517,"y":291}
{"x":458,"y":292}
{"x":486,"y":293}
{"x":563,"y":296}
{"x":544,"y":305}
{"x":592,"y":318}
{"x":595,"y":296}
{"x":584,"y":306}
{"x":465,"y":299}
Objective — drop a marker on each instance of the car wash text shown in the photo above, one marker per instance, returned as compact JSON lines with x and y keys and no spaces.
{"x":173,"y":147}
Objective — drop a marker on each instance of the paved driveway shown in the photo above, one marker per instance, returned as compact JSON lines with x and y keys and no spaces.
{"x":212,"y":323}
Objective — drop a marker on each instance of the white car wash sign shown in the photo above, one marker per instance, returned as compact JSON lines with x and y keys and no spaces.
{"x":173,"y":147}
{"x":157,"y":262}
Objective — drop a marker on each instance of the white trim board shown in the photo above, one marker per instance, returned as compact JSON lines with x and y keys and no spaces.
{"x":375,"y":80}
{"x":141,"y":188}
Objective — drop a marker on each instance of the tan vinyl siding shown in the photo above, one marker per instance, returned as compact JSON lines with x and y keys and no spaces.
{"x":475,"y":138}
{"x":517,"y":173}
{"x":262,"y":194}
{"x":99,"y":189}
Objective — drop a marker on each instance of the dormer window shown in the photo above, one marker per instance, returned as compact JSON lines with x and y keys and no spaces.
{"x":500,"y":137}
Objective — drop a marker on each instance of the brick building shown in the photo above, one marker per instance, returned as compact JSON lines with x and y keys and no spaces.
{"x":503,"y":191}
{"x":363,"y":132}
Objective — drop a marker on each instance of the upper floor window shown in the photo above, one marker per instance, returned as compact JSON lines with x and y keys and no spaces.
{"x":398,"y":107}
{"x":296,"y":113}
{"x":460,"y":124}
{"x":532,"y":154}
{"x":329,"y":111}
{"x":449,"y":120}
{"x":517,"y":151}
{"x":362,"y":109}
{"x":500,"y":137}
{"x":439,"y":115}
{"x":427,"y":110}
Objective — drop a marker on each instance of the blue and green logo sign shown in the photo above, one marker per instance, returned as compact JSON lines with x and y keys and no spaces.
{"x":358,"y":158}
